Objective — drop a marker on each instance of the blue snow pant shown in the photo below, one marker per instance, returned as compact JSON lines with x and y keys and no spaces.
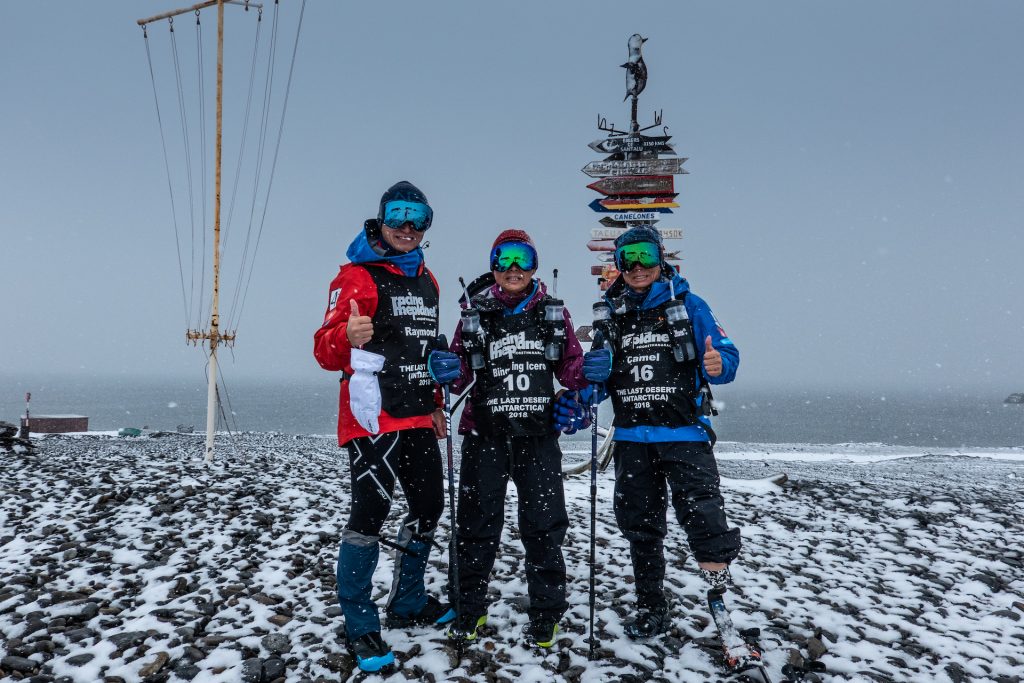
{"x":534,"y":463}
{"x":645,"y":473}
{"x":412,"y":458}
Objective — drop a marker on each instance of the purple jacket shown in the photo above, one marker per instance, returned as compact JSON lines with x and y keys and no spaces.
{"x":569,"y":371}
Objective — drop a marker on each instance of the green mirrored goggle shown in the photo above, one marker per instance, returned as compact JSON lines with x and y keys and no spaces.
{"x":509,"y":254}
{"x":643,"y":254}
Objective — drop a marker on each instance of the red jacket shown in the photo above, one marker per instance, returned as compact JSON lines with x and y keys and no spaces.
{"x":333,"y":351}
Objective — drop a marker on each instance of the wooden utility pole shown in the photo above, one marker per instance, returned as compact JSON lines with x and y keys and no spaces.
{"x":213,"y":336}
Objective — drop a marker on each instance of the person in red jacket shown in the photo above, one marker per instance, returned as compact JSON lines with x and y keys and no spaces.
{"x":380,"y":326}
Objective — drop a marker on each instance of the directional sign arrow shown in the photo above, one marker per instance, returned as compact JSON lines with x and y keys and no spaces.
{"x":630,"y":185}
{"x":640,"y":203}
{"x":601,"y":245}
{"x":669,"y":166}
{"x":597,"y":205}
{"x":612,"y":233}
{"x":607,"y":271}
{"x":633,"y":143}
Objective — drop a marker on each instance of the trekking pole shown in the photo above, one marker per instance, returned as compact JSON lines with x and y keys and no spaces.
{"x":453,"y":548}
{"x":602,"y":314}
{"x":593,"y":521}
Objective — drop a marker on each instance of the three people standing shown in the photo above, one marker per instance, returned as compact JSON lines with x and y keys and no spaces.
{"x":380,"y":330}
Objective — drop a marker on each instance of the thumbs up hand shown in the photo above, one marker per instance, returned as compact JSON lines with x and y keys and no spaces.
{"x":712,"y":359}
{"x":360,"y":327}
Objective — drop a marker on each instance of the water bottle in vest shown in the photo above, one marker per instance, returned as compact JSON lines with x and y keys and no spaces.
{"x":681,"y":331}
{"x":471,"y":337}
{"x":555,"y":323}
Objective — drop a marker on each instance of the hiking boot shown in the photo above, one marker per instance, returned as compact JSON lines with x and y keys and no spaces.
{"x":465,"y":627}
{"x":371,"y":652}
{"x":541,"y":633}
{"x":647,"y":624}
{"x":433,"y":613}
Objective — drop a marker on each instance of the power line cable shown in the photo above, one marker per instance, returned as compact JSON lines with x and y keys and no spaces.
{"x":245,"y":131}
{"x":167,"y":169}
{"x":203,"y":160}
{"x":241,"y":150}
{"x":277,"y":149}
{"x":188,"y":164}
{"x":268,"y":87}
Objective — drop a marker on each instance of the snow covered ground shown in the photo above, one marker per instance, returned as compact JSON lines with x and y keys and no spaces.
{"x":127,"y":560}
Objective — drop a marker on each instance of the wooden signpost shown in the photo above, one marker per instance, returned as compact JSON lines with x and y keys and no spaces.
{"x":630,"y":144}
{"x":636,"y":179}
{"x":598,"y":205}
{"x":605,"y":234}
{"x":607,"y":271}
{"x":634,"y":185}
{"x":639,"y":203}
{"x":668,"y":166}
{"x":622,"y":219}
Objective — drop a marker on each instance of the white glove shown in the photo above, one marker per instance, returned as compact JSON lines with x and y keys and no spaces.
{"x":364,"y":390}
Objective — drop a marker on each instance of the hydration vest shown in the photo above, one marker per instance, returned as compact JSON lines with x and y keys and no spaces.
{"x":648,"y":386}
{"x":516,"y":386}
{"x":404,"y":332}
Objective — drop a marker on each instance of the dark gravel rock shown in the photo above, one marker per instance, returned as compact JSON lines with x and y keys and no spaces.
{"x":276,"y":643}
{"x":127,"y":639}
{"x":19,"y":664}
{"x":273,"y":668}
{"x":252,"y":671}
{"x":79,"y":660}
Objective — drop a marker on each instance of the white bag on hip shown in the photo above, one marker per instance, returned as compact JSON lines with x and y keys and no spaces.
{"x":364,"y":390}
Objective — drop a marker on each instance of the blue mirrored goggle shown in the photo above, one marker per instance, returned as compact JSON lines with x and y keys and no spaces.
{"x":399,"y":212}
{"x":509,"y":254}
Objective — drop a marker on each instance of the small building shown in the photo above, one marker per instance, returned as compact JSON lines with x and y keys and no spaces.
{"x":56,"y":424}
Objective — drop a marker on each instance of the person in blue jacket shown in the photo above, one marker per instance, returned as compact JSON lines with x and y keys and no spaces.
{"x":656,"y":365}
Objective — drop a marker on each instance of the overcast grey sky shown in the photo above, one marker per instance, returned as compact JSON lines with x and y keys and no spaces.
{"x":853,"y":210}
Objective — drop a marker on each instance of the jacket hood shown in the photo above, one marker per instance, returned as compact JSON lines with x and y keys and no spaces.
{"x":360,"y":251}
{"x":623,"y":299}
{"x":485,"y":290}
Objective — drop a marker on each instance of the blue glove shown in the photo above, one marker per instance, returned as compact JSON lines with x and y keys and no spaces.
{"x":593,"y":394}
{"x":569,"y":415}
{"x":597,"y":365}
{"x":444,"y":366}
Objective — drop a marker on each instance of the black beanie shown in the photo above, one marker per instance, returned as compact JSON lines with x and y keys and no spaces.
{"x":402,"y":190}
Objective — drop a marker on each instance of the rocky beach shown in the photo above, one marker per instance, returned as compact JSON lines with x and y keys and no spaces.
{"x":129,"y":560}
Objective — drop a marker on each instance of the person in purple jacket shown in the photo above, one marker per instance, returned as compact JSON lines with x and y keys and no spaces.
{"x":510,"y":429}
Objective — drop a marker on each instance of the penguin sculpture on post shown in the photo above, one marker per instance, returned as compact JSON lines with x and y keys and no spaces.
{"x":636,"y":70}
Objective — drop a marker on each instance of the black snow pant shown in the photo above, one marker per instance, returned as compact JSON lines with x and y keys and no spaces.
{"x":412,"y":458}
{"x":535,"y":465}
{"x":643,"y":472}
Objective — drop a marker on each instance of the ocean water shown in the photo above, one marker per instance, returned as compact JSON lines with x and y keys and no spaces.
{"x":903,"y":418}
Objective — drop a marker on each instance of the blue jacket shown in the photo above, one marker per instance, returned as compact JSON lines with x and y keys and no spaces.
{"x":705,"y":324}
